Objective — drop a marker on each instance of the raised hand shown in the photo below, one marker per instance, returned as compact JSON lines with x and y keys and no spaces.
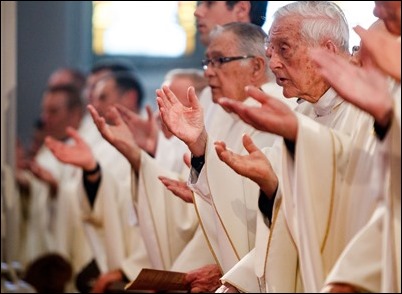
{"x":144,"y":131}
{"x":366,"y":87}
{"x":384,"y":49}
{"x":78,"y":153}
{"x":178,"y":188}
{"x":254,"y":166}
{"x":272,"y":116}
{"x":186,"y":123}
{"x":118,"y":134}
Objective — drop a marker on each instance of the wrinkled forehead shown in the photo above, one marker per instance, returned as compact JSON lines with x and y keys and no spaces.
{"x":285,"y":28}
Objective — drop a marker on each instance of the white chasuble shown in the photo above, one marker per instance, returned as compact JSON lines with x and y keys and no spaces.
{"x":227,"y":202}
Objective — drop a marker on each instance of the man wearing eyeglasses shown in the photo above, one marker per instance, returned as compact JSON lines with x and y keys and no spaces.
{"x":235,"y":58}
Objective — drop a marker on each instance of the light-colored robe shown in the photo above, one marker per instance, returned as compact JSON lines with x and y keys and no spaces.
{"x":276,"y":263}
{"x":111,"y":225}
{"x":226,"y":202}
{"x":376,"y":269}
{"x":169,"y":226}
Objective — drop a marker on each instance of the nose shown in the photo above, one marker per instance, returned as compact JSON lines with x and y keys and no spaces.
{"x":274,"y":60}
{"x":198,"y":11}
{"x":208,"y":70}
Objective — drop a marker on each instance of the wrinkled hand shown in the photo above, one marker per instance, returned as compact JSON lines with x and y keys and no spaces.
{"x":384,"y":49}
{"x":186,"y":123}
{"x":178,"y":188}
{"x":144,"y":131}
{"x":272,"y":116}
{"x":367,"y":87}
{"x":254,"y":166}
{"x":105,"y":280}
{"x":118,"y":134}
{"x":78,"y":154}
{"x":204,"y":279}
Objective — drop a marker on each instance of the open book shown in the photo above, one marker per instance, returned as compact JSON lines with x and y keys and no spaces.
{"x":159,"y":280}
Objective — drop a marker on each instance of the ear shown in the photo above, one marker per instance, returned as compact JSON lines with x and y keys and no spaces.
{"x":243,"y":11}
{"x":329,"y":45}
{"x":259,"y":67}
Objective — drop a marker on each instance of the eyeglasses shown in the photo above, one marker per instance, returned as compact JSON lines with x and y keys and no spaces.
{"x":218,"y":61}
{"x":355,"y":49}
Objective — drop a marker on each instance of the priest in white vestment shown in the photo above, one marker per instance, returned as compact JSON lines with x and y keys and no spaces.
{"x":277,"y":252}
{"x":227,"y":214}
{"x":110,"y":221}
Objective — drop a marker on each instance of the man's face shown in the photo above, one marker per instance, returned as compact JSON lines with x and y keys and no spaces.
{"x":209,"y":14}
{"x":105,"y":95}
{"x":290,"y":62}
{"x":228,"y":79}
{"x":55,"y":114}
{"x":91,"y":83}
{"x":390,"y":13}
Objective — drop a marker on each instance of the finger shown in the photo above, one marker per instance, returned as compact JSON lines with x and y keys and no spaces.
{"x":249,"y":144}
{"x":126,"y":114}
{"x":187,"y":159}
{"x":71,"y":132}
{"x":115,"y":116}
{"x":192,"y":98}
{"x":94,"y":113}
{"x":170,"y":96}
{"x":162,"y":100}
{"x":257,"y":94}
{"x":150,"y":112}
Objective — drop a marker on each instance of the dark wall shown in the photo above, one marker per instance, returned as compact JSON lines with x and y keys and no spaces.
{"x":52,"y":34}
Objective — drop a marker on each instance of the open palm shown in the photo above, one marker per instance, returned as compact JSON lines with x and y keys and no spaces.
{"x":186,"y":123}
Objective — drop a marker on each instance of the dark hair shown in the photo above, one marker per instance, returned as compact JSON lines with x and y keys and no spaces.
{"x":73,"y":95}
{"x":126,"y":81}
{"x":257,"y":13}
{"x":113,"y":66}
{"x":49,"y":273}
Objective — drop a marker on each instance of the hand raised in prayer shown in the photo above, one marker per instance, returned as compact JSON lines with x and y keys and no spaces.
{"x":384,"y":49}
{"x":204,"y":279}
{"x":118,"y":134}
{"x":254,"y":166}
{"x":78,"y":153}
{"x":272,"y":116}
{"x":178,"y":188}
{"x":186,"y":123}
{"x":366,"y":87}
{"x":144,"y":131}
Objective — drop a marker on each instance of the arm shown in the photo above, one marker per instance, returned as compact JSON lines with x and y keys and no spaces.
{"x":254,"y":166}
{"x":119,"y":135}
{"x":272,"y":116}
{"x":384,"y":49}
{"x":144,"y":131}
{"x":178,"y":188}
{"x":78,"y":154}
{"x":366,"y":88}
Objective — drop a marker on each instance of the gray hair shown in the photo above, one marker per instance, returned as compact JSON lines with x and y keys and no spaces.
{"x":321,"y":20}
{"x":250,"y":40}
{"x":195,"y":75}
{"x":250,"y":37}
